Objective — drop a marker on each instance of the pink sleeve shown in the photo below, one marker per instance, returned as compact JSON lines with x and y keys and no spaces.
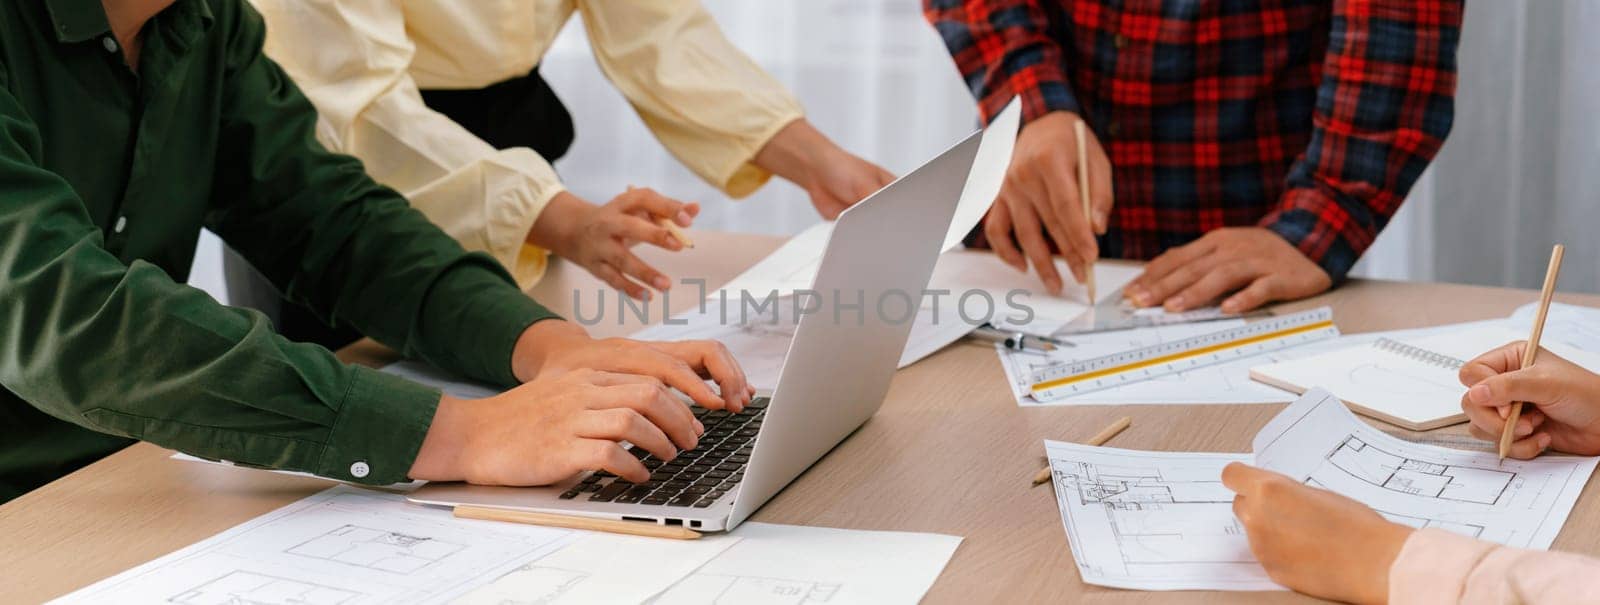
{"x":1436,"y":566}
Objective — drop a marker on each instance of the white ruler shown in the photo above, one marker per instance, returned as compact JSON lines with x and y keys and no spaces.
{"x":1172,"y":357}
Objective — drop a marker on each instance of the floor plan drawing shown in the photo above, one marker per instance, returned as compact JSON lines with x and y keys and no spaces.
{"x":246,"y":588}
{"x":1520,"y":503}
{"x":1152,"y":520}
{"x":342,"y":546}
{"x":1163,"y":521}
{"x":1417,"y":477}
{"x":376,"y":549}
{"x":1156,"y":514}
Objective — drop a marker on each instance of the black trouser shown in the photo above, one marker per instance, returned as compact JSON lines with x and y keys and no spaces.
{"x":520,"y":112}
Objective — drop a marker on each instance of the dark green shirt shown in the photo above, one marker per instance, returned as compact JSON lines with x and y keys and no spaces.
{"x":106,"y":178}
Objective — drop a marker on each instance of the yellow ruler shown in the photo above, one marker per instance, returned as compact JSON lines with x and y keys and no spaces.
{"x":1172,"y":357}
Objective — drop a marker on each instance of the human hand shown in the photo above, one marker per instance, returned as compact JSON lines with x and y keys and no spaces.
{"x":1312,"y":540}
{"x":1040,"y":198}
{"x":553,"y":427}
{"x":600,"y":238}
{"x":1254,"y":264}
{"x":834,"y":178}
{"x":554,"y":347}
{"x":1564,"y":398}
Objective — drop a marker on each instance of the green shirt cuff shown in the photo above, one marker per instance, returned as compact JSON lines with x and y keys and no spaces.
{"x":379,"y":429}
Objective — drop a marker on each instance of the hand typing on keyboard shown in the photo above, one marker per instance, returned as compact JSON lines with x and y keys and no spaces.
{"x":554,"y":427}
{"x":553,"y":346}
{"x":697,"y":477}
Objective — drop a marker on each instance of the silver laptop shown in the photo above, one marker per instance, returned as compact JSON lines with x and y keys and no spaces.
{"x":835,"y":375}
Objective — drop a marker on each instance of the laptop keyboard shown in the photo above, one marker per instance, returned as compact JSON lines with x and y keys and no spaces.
{"x":697,"y":477}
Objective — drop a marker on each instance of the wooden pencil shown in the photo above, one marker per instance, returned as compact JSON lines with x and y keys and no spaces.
{"x":632,"y":528}
{"x":1532,"y":350}
{"x":677,"y":233}
{"x":1078,"y":129}
{"x":1097,"y":440}
{"x":671,"y":227}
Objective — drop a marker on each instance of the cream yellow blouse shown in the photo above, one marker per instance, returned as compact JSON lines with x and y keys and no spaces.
{"x":361,"y":62}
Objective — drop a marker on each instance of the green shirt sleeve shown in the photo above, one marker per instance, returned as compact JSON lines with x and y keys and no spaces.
{"x":333,"y":239}
{"x":122,"y":349}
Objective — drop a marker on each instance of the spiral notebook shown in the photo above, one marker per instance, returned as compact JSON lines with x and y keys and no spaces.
{"x":1411,"y":383}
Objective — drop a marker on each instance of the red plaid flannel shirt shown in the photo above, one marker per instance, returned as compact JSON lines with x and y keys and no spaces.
{"x":1312,"y":118}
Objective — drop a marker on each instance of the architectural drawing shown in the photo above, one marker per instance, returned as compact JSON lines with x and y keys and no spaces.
{"x":376,"y":549}
{"x":320,"y":551}
{"x":1151,"y":519}
{"x":1417,"y":477}
{"x":1162,"y":521}
{"x":1155,"y":514}
{"x":342,"y":546}
{"x":1512,"y":502}
{"x":247,"y":588}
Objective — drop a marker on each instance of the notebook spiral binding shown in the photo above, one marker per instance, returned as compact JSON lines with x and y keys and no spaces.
{"x":1418,"y":354}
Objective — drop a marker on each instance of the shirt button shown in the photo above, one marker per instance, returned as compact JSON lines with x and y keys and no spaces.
{"x":360,"y":470}
{"x":1119,"y":41}
{"x":122,"y":223}
{"x":109,"y":43}
{"x":1113,"y":128}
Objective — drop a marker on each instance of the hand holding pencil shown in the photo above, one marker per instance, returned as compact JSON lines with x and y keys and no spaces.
{"x":1057,"y":194}
{"x":1531,"y":351}
{"x":1561,"y":400}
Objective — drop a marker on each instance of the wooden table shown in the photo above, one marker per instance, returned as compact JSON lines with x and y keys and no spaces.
{"x":950,"y":452}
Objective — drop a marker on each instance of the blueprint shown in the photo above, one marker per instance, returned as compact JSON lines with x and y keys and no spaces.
{"x":1163,"y":521}
{"x":1152,"y":520}
{"x":347,"y":546}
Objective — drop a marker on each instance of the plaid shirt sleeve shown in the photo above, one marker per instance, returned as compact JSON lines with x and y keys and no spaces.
{"x":1004,"y":48}
{"x":1383,"y":108}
